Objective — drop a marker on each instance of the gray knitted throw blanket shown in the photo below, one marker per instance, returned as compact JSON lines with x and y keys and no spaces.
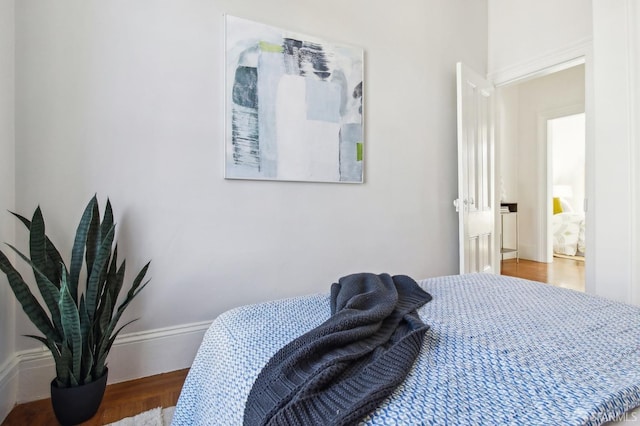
{"x":339,"y":372}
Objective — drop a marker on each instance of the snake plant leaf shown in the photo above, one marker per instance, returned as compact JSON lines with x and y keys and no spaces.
{"x":37,"y":245}
{"x":116,"y":286}
{"x":24,"y":220}
{"x":134,"y":290}
{"x":73,"y":381}
{"x":85,"y":323}
{"x":87,"y":359}
{"x":116,"y":316}
{"x":106,"y":225}
{"x":61,"y":367}
{"x":38,"y":256}
{"x":54,"y":260}
{"x":93,"y":237}
{"x":71,"y":326}
{"x":107,"y":222}
{"x":136,"y":282}
{"x":105,"y":318}
{"x":105,"y":347}
{"x":53,"y":257}
{"x":128,"y":300}
{"x":48,"y":343}
{"x":77,"y":253}
{"x":87,"y":343}
{"x":63,"y":370}
{"x":130,"y":296}
{"x":102,"y":326}
{"x":95,"y":280}
{"x":133,"y":294}
{"x":109,"y":335}
{"x":112,"y":285}
{"x":48,"y":290}
{"x":102,"y":311}
{"x":87,"y":366}
{"x":27,"y":300}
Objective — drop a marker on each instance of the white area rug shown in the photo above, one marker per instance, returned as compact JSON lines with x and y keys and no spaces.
{"x":156,"y":417}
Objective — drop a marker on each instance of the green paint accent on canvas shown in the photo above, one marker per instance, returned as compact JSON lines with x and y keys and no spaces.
{"x":359,"y":151}
{"x":270,"y":47}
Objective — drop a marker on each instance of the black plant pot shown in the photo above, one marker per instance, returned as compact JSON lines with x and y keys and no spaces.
{"x":77,"y":404}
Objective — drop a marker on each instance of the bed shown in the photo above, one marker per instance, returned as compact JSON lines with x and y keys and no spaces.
{"x":567,"y":229}
{"x":499,"y":350}
{"x":568,"y":234}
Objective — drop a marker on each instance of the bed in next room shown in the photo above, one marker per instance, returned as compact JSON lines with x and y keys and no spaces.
{"x":568,"y":230}
{"x":498,"y":350}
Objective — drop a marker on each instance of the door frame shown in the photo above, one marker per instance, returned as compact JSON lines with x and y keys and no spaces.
{"x":559,"y":60}
{"x":545,"y":170}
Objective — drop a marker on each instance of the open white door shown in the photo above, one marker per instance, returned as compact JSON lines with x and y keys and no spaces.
{"x":476,"y":171}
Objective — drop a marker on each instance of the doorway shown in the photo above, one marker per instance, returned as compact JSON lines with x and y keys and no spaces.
{"x":566,"y":226}
{"x":524,"y":108}
{"x":566,"y":168}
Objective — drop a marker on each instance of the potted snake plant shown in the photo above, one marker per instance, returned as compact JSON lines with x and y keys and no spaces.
{"x":77,"y":321}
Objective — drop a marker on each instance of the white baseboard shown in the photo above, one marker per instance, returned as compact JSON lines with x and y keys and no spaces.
{"x":507,"y":256}
{"x":8,"y":386}
{"x":27,"y":376}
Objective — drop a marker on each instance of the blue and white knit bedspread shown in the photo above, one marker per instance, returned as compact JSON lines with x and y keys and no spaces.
{"x":500,"y":350}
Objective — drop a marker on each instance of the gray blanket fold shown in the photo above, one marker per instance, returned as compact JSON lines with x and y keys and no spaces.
{"x":343,"y":369}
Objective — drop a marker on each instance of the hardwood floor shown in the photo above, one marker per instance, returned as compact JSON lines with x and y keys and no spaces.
{"x":562,"y":272}
{"x":121,"y":400}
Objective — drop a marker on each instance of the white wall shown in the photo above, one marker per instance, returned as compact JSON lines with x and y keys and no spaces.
{"x":522,"y":107}
{"x":525,"y":34}
{"x":7,"y":197}
{"x":125,"y":99}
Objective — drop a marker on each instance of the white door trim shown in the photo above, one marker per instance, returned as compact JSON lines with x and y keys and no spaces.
{"x":634,"y":134}
{"x":544,"y":187}
{"x":571,"y":55}
{"x":554,"y":61}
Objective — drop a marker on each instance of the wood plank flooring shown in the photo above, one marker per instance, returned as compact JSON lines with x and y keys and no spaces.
{"x":121,"y":400}
{"x":130,"y":398}
{"x":562,"y":272}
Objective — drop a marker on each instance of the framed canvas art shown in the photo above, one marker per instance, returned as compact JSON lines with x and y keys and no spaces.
{"x":294,"y":106}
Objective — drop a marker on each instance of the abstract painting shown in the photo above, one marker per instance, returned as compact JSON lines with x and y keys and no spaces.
{"x":293,"y":106}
